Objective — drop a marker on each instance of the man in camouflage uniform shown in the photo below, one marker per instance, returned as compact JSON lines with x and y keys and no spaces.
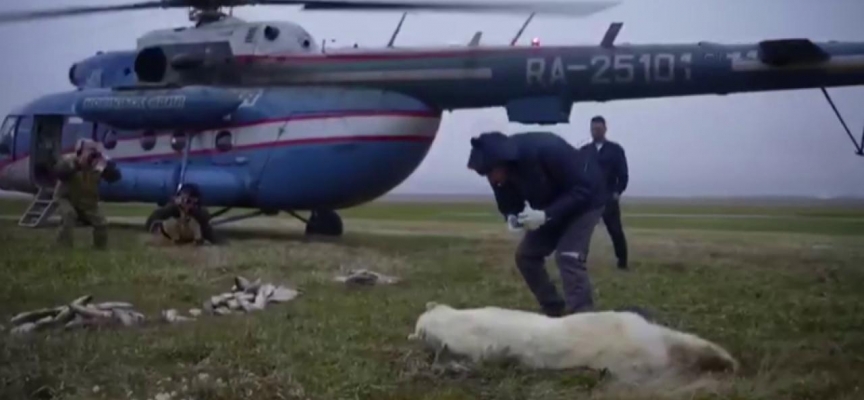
{"x":77,"y":191}
{"x":183,"y":220}
{"x":180,"y":227}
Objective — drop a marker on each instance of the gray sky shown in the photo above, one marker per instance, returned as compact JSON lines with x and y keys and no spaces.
{"x":781,"y":143}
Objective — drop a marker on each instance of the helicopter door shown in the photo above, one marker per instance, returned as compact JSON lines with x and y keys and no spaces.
{"x":75,"y":129}
{"x":45,"y":148}
{"x":7,"y":150}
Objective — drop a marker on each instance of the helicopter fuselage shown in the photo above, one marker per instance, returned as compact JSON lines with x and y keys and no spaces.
{"x":273,"y":121}
{"x":283,"y":148}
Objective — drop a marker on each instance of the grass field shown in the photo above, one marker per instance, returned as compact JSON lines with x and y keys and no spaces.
{"x":780,"y":287}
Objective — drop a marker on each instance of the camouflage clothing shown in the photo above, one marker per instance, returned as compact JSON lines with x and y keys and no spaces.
{"x":184,"y":220}
{"x":77,"y":197}
{"x":179,"y":230}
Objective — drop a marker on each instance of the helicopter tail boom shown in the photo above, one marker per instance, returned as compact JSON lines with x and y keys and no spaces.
{"x":533,"y":77}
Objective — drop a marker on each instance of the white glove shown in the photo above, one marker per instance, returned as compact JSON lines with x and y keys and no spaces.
{"x":531,"y":219}
{"x":513,"y":224}
{"x":101,"y":164}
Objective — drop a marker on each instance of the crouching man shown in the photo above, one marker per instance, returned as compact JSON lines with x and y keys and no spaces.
{"x":77,"y":191}
{"x":183,"y":221}
{"x":565,"y":193}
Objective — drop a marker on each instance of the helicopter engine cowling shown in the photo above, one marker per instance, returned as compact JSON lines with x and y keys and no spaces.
{"x":103,"y":70}
{"x":188,"y":108}
{"x":151,"y":65}
{"x":166,"y":63}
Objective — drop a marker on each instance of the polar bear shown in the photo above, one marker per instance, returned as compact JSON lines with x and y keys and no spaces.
{"x":623,"y":343}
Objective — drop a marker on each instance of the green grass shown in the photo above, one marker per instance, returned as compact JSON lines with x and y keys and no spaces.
{"x":846,"y":220}
{"x":788,"y":305}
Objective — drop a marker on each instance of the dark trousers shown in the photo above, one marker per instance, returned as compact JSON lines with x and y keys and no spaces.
{"x":612,"y":220}
{"x":570,"y":244}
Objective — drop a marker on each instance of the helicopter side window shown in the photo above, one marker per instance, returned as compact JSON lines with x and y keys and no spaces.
{"x":148,"y":140}
{"x":271,"y":33}
{"x":109,"y":139}
{"x":178,"y":140}
{"x":7,"y":135}
{"x":224,"y":141}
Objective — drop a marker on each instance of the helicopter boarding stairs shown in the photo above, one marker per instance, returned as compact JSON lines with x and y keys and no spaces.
{"x":40,"y":209}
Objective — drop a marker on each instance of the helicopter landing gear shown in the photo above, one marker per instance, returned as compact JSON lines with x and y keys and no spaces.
{"x":859,"y":146}
{"x":322,"y":223}
{"x":239,"y":217}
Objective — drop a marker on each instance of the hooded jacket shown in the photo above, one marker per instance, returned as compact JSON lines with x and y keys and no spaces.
{"x":543,"y":170}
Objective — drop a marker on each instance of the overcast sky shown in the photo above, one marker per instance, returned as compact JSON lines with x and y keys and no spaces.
{"x":781,"y":143}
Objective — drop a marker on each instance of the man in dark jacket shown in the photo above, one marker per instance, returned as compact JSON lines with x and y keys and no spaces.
{"x":565,"y":195}
{"x":613,"y":162}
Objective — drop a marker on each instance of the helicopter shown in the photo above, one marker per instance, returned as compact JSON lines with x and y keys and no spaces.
{"x":257,"y":115}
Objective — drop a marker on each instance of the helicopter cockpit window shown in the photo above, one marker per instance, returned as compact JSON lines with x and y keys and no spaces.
{"x":178,"y":140}
{"x":224,"y":141}
{"x":271,"y":33}
{"x":148,"y":140}
{"x":7,"y":135}
{"x":109,"y":139}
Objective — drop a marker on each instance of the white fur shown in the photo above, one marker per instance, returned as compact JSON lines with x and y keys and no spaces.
{"x":622,"y":342}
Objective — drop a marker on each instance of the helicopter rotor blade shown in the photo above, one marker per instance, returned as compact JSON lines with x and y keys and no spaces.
{"x":22,"y":16}
{"x":581,"y":8}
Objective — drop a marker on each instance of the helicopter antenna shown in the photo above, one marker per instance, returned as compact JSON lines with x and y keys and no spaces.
{"x":611,"y":34}
{"x":475,"y":41}
{"x":398,"y":28}
{"x":522,"y":29}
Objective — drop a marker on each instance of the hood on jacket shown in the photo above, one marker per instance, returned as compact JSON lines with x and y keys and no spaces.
{"x":490,"y":150}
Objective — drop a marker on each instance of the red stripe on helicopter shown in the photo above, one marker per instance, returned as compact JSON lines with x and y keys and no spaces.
{"x":256,"y":146}
{"x":288,"y":143}
{"x":342,"y":114}
{"x":329,"y":115}
{"x":307,"y":117}
{"x":294,"y":142}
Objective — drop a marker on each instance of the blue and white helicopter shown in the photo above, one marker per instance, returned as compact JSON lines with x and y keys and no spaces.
{"x":259,"y":116}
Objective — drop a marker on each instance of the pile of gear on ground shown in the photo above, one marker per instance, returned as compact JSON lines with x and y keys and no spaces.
{"x":245,"y":296}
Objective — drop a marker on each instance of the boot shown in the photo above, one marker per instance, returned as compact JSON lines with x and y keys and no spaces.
{"x":65,"y":235}
{"x":100,"y":238}
{"x":553,"y":310}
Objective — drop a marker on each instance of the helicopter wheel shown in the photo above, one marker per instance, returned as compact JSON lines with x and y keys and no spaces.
{"x":324,"y":223}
